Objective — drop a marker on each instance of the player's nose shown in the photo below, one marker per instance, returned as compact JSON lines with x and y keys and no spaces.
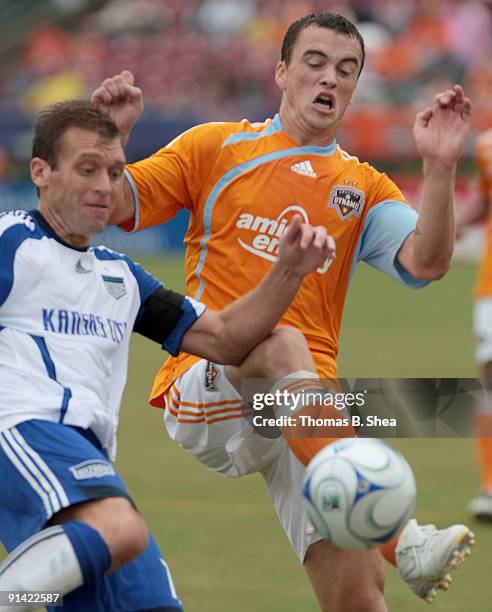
{"x":328,"y":76}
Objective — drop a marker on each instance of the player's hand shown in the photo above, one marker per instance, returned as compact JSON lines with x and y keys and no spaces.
{"x":304,"y":248}
{"x":123,"y":101}
{"x":440,"y":131}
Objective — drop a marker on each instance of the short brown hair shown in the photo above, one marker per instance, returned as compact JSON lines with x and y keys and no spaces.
{"x":55,"y":120}
{"x":323,"y":19}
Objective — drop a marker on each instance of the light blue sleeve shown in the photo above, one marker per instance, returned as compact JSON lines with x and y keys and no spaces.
{"x":386,"y":227}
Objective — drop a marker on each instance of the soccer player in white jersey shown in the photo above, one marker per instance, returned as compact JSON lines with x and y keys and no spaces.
{"x":66,"y":315}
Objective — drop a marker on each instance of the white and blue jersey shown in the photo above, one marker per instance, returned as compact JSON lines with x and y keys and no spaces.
{"x":66,"y":316}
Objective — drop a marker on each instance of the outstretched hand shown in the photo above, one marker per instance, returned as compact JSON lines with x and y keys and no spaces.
{"x":304,"y":248}
{"x":440,"y":131}
{"x":121,"y":99}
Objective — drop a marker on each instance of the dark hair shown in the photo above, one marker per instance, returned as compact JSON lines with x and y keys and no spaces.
{"x":55,"y":120}
{"x":323,"y":19}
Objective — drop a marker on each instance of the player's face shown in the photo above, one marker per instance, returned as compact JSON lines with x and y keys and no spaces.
{"x":79,"y":194}
{"x":319,"y":82}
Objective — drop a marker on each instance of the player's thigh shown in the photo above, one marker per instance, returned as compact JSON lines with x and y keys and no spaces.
{"x":45,"y":468}
{"x":204,"y":414}
{"x":346,"y":581}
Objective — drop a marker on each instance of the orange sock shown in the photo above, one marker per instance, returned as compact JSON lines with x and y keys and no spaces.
{"x":388,"y":550}
{"x":483,"y":428}
{"x":305,"y":441}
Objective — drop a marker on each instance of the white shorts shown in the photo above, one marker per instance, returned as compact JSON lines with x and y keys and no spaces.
{"x":482,"y":327}
{"x":203,"y":414}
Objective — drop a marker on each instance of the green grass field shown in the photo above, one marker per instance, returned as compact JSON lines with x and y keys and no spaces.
{"x":221,"y":537}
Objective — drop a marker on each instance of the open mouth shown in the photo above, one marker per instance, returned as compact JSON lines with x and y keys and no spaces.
{"x":325,"y":101}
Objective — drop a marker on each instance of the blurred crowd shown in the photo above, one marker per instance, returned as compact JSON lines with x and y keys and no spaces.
{"x":214,"y":59}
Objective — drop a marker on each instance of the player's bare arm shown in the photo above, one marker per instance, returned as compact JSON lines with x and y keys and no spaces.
{"x":229,"y":335}
{"x":440,"y":133}
{"x":124,"y":102}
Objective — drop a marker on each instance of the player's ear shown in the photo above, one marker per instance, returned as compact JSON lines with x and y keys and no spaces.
{"x":40,"y":171}
{"x":280,"y":74}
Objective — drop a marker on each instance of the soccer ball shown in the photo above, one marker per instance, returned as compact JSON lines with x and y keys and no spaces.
{"x":359,"y":493}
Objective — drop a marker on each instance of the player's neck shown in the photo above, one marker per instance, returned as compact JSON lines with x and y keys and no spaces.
{"x":58,"y":226}
{"x":301,"y":133}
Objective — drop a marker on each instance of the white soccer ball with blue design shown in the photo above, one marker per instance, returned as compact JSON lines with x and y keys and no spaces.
{"x":359,"y":493}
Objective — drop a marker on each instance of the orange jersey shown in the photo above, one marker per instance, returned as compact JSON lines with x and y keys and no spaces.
{"x":484,"y":160}
{"x":242,"y":183}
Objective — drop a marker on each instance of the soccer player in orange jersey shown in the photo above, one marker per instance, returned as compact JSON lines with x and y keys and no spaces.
{"x":242,"y":182}
{"x":481,"y":506}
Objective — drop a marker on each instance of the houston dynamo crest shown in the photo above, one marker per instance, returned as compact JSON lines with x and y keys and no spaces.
{"x":115,"y":286}
{"x":347,"y":201}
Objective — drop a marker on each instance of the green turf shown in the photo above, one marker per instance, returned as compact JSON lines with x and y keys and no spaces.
{"x":220,"y":536}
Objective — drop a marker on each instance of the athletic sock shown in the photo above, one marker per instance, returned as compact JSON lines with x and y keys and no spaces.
{"x":308,"y":397}
{"x":57,"y":559}
{"x":388,"y":550}
{"x":483,"y":425}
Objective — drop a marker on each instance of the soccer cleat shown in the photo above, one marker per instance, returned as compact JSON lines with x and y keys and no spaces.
{"x":481,"y":506}
{"x":425,"y":556}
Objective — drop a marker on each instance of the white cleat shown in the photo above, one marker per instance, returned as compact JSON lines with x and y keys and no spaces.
{"x":425,"y":556}
{"x":481,"y":507}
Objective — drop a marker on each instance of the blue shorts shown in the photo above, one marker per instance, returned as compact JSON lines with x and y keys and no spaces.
{"x":45,"y":467}
{"x":48,"y":466}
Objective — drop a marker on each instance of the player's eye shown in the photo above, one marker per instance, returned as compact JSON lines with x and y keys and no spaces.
{"x":346,"y":71}
{"x":115,"y":175}
{"x":87,"y":170}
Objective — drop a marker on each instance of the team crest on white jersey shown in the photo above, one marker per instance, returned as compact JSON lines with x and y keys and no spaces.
{"x":347,"y":201}
{"x":115,"y":286}
{"x":262,"y":235}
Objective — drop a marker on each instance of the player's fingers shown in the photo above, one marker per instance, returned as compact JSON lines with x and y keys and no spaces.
{"x":307,"y":236}
{"x":460,"y":94}
{"x":423,"y":117}
{"x":466,"y":111}
{"x":444,"y":99}
{"x":120,"y":87}
{"x":101,"y":96}
{"x":294,"y":229}
{"x":128,"y":77}
{"x":319,"y":237}
{"x":330,"y":248}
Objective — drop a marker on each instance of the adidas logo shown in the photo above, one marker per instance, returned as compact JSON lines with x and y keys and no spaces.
{"x":304,"y":168}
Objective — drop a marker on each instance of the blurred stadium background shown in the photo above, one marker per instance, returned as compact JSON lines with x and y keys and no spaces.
{"x":213,"y":60}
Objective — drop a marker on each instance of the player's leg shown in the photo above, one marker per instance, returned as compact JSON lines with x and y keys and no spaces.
{"x":356,"y":580}
{"x":59,"y":476}
{"x":481,"y":506}
{"x":285,"y":356}
{"x":343,"y":581}
{"x":424,"y":556}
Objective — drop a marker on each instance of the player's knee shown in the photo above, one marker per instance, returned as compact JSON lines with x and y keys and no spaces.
{"x":130,"y":537}
{"x":118,"y":523}
{"x":286,"y":352}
